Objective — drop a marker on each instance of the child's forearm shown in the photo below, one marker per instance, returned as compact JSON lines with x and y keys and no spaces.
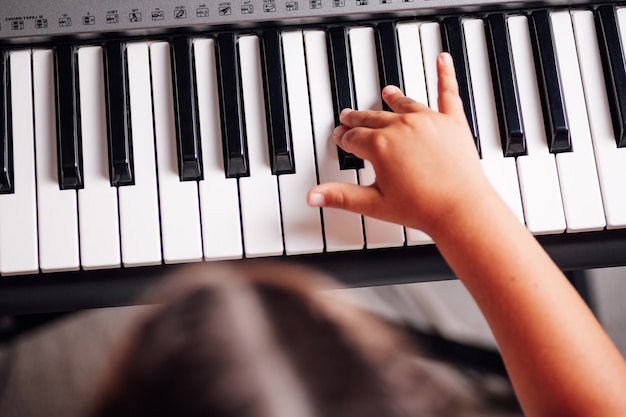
{"x":560,"y":360}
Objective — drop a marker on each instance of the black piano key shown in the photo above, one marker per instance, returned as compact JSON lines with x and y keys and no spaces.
{"x":121,"y":167}
{"x":389,"y":66}
{"x":549,"y":80}
{"x":6,"y":142}
{"x":505,"y":86}
{"x":69,"y":142}
{"x":612,"y":54}
{"x":235,"y":147}
{"x":453,"y":42}
{"x":278,"y":127}
{"x":187,"y":125}
{"x":342,"y":85}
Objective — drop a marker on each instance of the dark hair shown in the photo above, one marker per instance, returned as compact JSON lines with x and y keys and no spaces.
{"x":259,"y":340}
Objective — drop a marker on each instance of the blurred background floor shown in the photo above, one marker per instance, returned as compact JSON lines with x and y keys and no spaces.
{"x":446,"y":308}
{"x":53,"y":369}
{"x":608,"y":293}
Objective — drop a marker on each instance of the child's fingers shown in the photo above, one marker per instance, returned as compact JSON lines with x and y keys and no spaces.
{"x":360,"y":141}
{"x":366,"y":118}
{"x":400,"y":103}
{"x":449,"y":99}
{"x":351,"y":197}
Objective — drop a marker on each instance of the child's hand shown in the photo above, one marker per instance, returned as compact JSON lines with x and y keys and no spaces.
{"x":427,"y":167}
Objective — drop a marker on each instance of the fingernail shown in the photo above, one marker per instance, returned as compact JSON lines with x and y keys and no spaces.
{"x":346,"y":111}
{"x":446,"y":58}
{"x":390,"y":89}
{"x":316,"y":200}
{"x":339,"y":131}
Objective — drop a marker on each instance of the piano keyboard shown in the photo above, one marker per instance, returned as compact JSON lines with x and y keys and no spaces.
{"x":187,"y":147}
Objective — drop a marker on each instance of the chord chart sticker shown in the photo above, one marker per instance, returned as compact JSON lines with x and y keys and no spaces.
{"x":180,"y":13}
{"x":315,"y":4}
{"x":134,"y":17}
{"x":202,"y":12}
{"x":65,"y":22}
{"x":158,"y":15}
{"x":269,"y":6}
{"x":112,"y":18}
{"x":224,"y":9}
{"x":291,"y":6}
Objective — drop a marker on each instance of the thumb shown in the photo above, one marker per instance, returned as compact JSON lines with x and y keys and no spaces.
{"x":449,"y":99}
{"x":351,"y":197}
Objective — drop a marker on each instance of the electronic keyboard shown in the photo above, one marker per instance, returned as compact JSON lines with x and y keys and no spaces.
{"x":134,"y":138}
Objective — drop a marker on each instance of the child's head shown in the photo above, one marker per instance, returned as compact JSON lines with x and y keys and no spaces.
{"x":262,"y":341}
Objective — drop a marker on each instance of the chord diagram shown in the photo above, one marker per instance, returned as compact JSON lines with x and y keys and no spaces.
{"x":17,"y":25}
{"x":180,"y":14}
{"x":134,"y":17}
{"x":315,"y":4}
{"x":202,"y":12}
{"x":291,"y":6}
{"x":247,"y":9}
{"x":113,"y":18}
{"x":224,"y":10}
{"x":339,"y":3}
{"x":362,"y":2}
{"x":41,"y":23}
{"x":89,"y":20}
{"x":158,"y":15}
{"x":269,"y":7}
{"x":65,"y":22}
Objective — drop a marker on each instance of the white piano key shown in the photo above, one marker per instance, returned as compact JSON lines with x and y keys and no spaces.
{"x":610,"y":160}
{"x":57,"y":210}
{"x":343,"y":230}
{"x":577,"y":170}
{"x":97,"y":202}
{"x":178,"y":200}
{"x":139,"y":214}
{"x":258,"y":193}
{"x":501,"y":171}
{"x":410,"y":44}
{"x":18,"y":211}
{"x":378,"y":233}
{"x":539,"y":182}
{"x":219,"y":196}
{"x":302,"y":227}
{"x":431,"y":48}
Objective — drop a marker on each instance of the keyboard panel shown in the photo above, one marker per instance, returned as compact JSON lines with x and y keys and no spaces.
{"x":31,"y":20}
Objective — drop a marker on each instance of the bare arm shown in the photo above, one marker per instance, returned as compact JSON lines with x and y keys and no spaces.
{"x":559,"y":358}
